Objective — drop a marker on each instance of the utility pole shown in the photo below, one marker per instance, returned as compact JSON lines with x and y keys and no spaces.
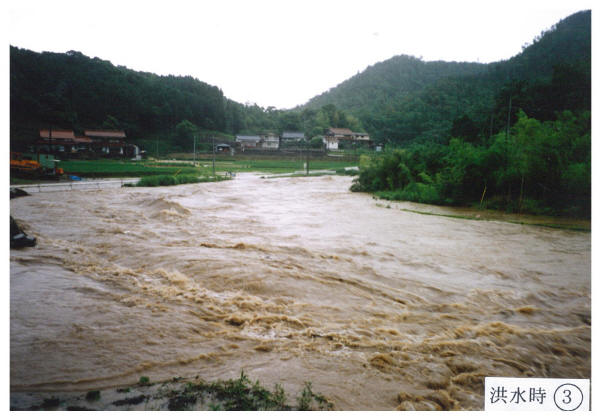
{"x":307,"y":157}
{"x":213,"y":153}
{"x":306,"y":147}
{"x":194,"y":150}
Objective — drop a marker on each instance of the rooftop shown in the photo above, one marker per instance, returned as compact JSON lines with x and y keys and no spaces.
{"x":57,"y":134}
{"x":120,"y":134}
{"x":343,"y":131}
{"x":247,"y":138}
{"x":293,"y":135}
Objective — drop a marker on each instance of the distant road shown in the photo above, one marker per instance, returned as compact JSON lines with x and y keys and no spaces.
{"x":86,"y":184}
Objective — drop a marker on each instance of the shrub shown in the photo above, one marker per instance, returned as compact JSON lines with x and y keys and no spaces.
{"x":416,"y":192}
{"x":166,"y":180}
{"x":92,"y":395}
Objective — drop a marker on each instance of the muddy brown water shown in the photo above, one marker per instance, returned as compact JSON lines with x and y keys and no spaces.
{"x":291,"y":280}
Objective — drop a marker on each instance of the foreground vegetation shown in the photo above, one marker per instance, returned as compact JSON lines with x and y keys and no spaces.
{"x":240,"y":394}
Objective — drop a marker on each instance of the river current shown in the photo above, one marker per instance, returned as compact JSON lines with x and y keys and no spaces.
{"x":291,"y":280}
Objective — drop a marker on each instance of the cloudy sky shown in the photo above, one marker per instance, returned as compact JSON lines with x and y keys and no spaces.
{"x":280,"y":53}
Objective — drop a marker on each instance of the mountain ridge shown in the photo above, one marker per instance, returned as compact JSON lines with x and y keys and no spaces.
{"x":399,"y":100}
{"x":441,"y":88}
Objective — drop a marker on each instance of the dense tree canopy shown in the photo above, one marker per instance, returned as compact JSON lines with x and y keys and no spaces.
{"x":540,"y":167}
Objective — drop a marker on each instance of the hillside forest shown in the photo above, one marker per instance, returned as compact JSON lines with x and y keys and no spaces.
{"x":527,"y":150}
{"x":513,"y":135}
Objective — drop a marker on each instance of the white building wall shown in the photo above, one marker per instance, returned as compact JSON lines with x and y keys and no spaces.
{"x":270,"y":144}
{"x":331,"y":144}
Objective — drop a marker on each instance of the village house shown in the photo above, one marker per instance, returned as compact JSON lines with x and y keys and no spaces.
{"x":82,"y":144}
{"x":223,"y":148}
{"x":103,"y":142}
{"x":247,"y":142}
{"x":291,"y":139}
{"x":107,"y":142}
{"x":361,"y":137}
{"x":55,"y":141}
{"x":336,"y":137}
{"x":269,"y":141}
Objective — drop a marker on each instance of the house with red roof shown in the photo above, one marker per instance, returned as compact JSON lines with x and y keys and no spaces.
{"x":336,"y":136}
{"x":108,"y":143}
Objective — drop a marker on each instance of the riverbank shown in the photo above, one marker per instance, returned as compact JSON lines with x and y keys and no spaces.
{"x":177,"y":394}
{"x":483,"y":215}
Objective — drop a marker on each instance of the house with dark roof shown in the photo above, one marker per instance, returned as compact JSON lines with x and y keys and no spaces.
{"x":223,"y":147}
{"x":291,"y":139}
{"x":247,"y":141}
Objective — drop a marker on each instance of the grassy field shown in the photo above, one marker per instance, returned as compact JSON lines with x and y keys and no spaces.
{"x":274,"y":166}
{"x":115,"y":168}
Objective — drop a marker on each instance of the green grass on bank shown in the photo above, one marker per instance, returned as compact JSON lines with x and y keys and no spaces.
{"x":22,"y":181}
{"x":115,"y":168}
{"x":554,"y":225}
{"x":482,"y":215}
{"x":315,"y":173}
{"x":103,"y":168}
{"x":274,"y":166}
{"x":166,"y":180}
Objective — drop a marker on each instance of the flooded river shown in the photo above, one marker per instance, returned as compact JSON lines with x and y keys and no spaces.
{"x":291,"y":280}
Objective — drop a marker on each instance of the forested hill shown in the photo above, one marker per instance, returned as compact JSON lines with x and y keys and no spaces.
{"x":75,"y":91}
{"x":403,"y":100}
{"x":389,"y":81}
{"x":400,"y":101}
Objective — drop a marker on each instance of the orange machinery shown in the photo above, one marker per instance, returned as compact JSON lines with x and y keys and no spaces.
{"x":21,"y":166}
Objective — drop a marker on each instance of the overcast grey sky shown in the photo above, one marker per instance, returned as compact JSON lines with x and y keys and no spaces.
{"x":280,"y":53}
